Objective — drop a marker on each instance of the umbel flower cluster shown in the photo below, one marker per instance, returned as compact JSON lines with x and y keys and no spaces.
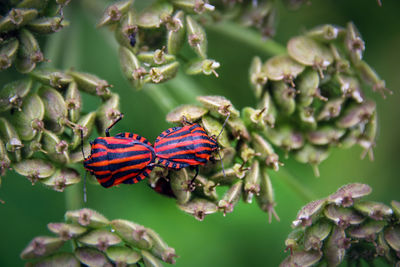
{"x":245,"y":153}
{"x":96,"y":241}
{"x":344,"y":227}
{"x":314,"y":97}
{"x":41,"y":122}
{"x":19,"y":22}
{"x":151,"y":40}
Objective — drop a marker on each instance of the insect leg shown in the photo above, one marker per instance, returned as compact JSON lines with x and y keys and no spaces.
{"x":115,"y":122}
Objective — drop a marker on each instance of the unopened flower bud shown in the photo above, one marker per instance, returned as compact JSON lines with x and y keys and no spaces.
{"x":8,"y":52}
{"x":315,"y":234}
{"x":219,"y":104}
{"x":41,"y":246}
{"x":375,"y":210}
{"x":123,"y":256}
{"x":213,"y":128}
{"x":231,"y":197}
{"x":150,"y":260}
{"x":282,"y":67}
{"x":343,"y":217}
{"x":132,"y":233}
{"x":55,"y":79}
{"x":66,"y":231}
{"x":196,"y":37}
{"x":176,"y":33}
{"x":180,"y":185}
{"x":62,"y":178}
{"x":91,"y":84}
{"x":151,"y":17}
{"x":46,"y":25}
{"x":345,"y":195}
{"x":199,"y":208}
{"x":107,"y":113}
{"x":92,"y":257}
{"x":102,"y":239}
{"x":160,"y":248}
{"x":310,"y":211}
{"x":29,"y":52}
{"x":87,"y":218}
{"x":266,"y":197}
{"x":12,"y":93}
{"x":114,"y":13}
{"x":16,"y":18}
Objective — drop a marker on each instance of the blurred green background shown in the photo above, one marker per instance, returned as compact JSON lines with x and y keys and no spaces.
{"x":244,"y":237}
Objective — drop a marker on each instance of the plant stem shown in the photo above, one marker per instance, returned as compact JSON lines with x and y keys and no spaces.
{"x":73,"y":197}
{"x":247,"y":36}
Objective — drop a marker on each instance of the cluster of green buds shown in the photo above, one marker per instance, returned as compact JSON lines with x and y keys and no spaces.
{"x":41,"y":124}
{"x":150,"y":40}
{"x":96,"y":241}
{"x":344,"y":227}
{"x":313,"y":98}
{"x":20,"y":20}
{"x":246,"y":155}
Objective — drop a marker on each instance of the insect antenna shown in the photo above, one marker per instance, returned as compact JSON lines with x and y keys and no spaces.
{"x":222,"y":129}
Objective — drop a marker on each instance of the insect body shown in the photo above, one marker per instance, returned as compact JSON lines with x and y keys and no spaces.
{"x":124,"y":158}
{"x":181,"y":147}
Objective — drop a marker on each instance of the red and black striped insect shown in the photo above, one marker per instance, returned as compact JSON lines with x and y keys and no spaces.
{"x":181,"y":147}
{"x":124,"y":158}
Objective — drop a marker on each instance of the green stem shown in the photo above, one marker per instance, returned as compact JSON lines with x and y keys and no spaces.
{"x":73,"y":197}
{"x":161,"y":96}
{"x":297,"y":187}
{"x":247,"y":36}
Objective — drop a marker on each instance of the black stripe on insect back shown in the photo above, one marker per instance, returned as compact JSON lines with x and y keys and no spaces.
{"x":191,"y":147}
{"x":118,"y":155}
{"x":116,"y":166}
{"x":187,"y":138}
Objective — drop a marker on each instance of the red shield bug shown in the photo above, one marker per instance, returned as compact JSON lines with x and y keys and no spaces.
{"x":125,"y":158}
{"x":181,"y":147}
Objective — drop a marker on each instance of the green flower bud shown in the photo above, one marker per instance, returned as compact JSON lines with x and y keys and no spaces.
{"x":180,"y":185}
{"x":341,"y":63}
{"x":309,"y":212}
{"x":313,"y":155}
{"x":374,"y":210}
{"x":102,"y":239}
{"x":114,"y":13}
{"x":34,"y":169}
{"x":73,"y":100}
{"x":396,"y":208}
{"x":230,"y":198}
{"x":219,"y":104}
{"x":294,"y":239}
{"x":107,"y":113}
{"x":10,"y":137}
{"x":238,"y":129}
{"x":151,"y":17}
{"x":91,"y":84}
{"x":163,"y":73}
{"x":31,"y":4}
{"x":8,"y":52}
{"x":176,"y":33}
{"x":265,"y":149}
{"x":284,"y":96}
{"x":257,"y":77}
{"x":28,"y":122}
{"x":325,"y":33}
{"x":351,"y":87}
{"x":196,"y":37}
{"x":126,"y":32}
{"x":331,"y":109}
{"x":354,"y":44}
{"x":325,"y":135}
{"x":123,"y":255}
{"x":5,"y":162}
{"x":345,"y":195}
{"x":315,"y":234}
{"x":46,"y":25}
{"x":335,"y":248}
{"x":86,"y":123}
{"x":11,"y":94}
{"x":66,"y":231}
{"x":41,"y":246}
{"x":132,"y":233}
{"x":285,"y":137}
{"x":205,"y":66}
{"x":156,"y":58}
{"x":131,"y":67}
{"x":62,"y":178}
{"x":55,"y":109}
{"x":282,"y":67}
{"x":342,"y":217}
{"x":213,"y":128}
{"x":383,"y":248}
{"x":392,"y":236}
{"x":310,"y":53}
{"x":161,"y":249}
{"x":76,"y":156}
{"x":302,"y":258}
{"x":149,"y":260}
{"x":370,"y":76}
{"x":53,"y":78}
{"x":356,"y":114}
{"x":206,"y":188}
{"x":252,"y":182}
{"x":307,"y":86}
{"x":92,"y":257}
{"x":191,"y":113}
{"x":56,"y":148}
{"x":59,"y":259}
{"x":266,"y":198}
{"x":28,"y":53}
{"x":197,"y":6}
{"x":270,"y":111}
{"x":367,"y":230}
{"x":87,"y":218}
{"x":253,"y":118}
{"x":16,"y":18}
{"x":199,"y":208}
{"x":238,"y":171}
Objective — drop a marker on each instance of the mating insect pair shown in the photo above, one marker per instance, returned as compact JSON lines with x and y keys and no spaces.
{"x":129,"y":158}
